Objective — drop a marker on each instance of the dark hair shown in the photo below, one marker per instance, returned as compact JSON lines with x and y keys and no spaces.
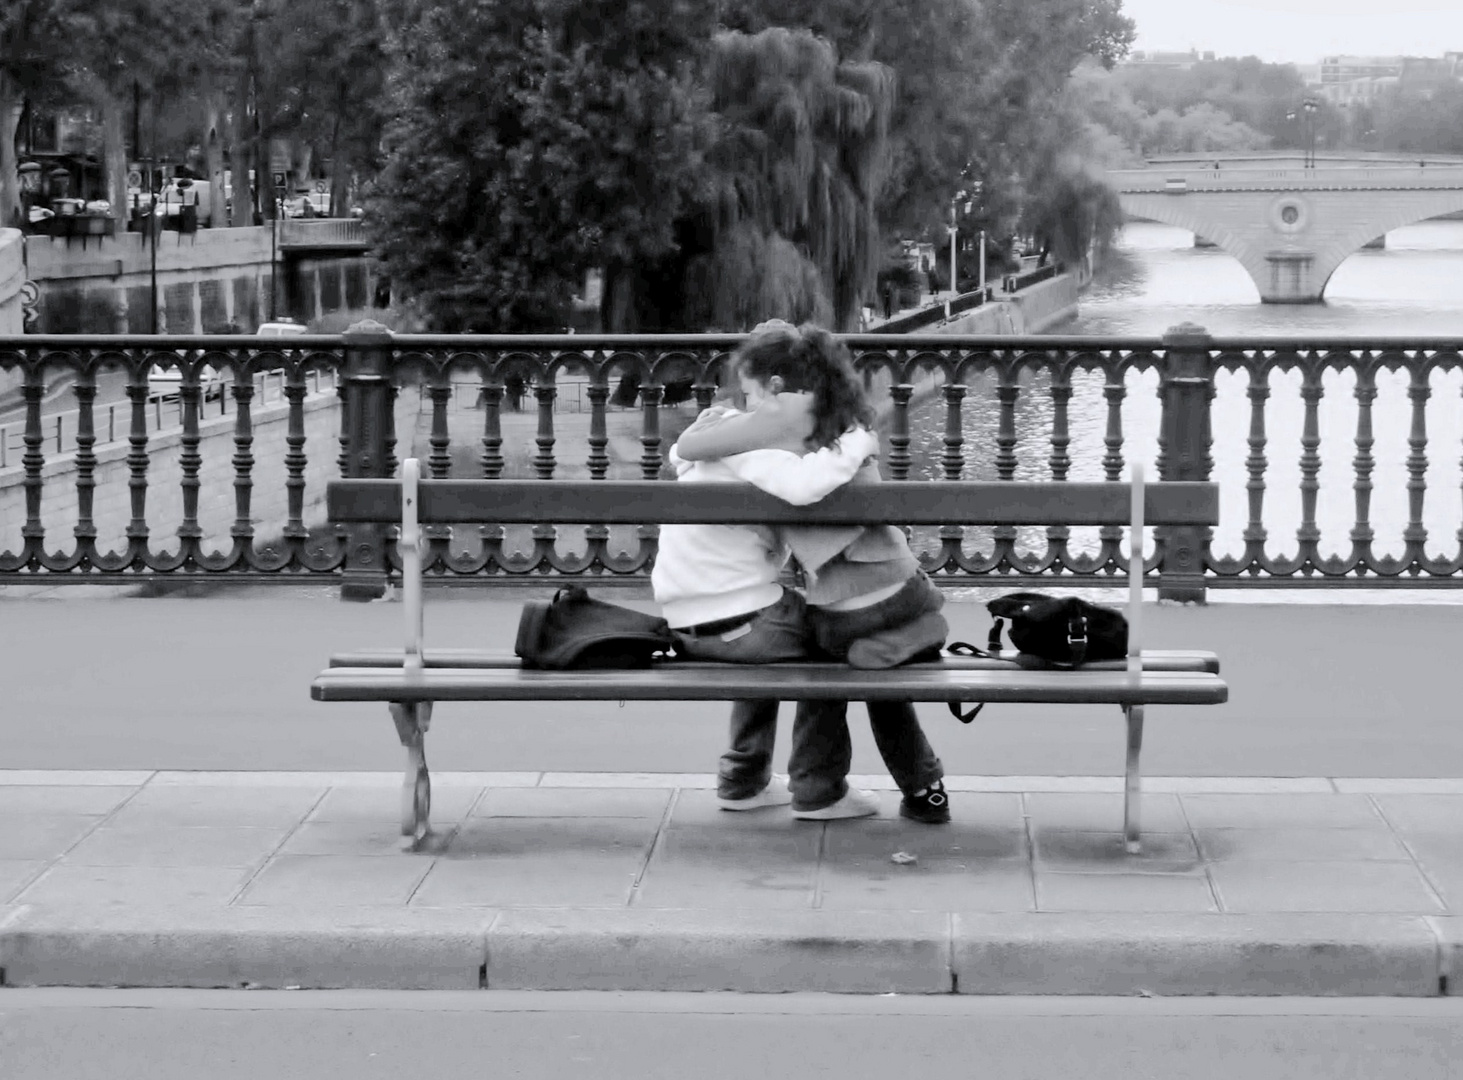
{"x":811,"y":360}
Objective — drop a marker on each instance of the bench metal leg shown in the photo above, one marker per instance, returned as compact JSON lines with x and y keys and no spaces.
{"x":1132,"y":784}
{"x":412,"y":721}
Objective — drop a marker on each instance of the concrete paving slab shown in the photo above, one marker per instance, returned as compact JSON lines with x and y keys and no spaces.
{"x":565,"y":839}
{"x":15,"y":874}
{"x":703,"y":866}
{"x":450,"y":803}
{"x":698,"y":806}
{"x":1291,"y":844}
{"x":1103,"y":892}
{"x":1158,"y":812}
{"x":43,"y":836}
{"x":1175,"y":954}
{"x":1072,"y":851}
{"x":596,"y":879}
{"x":1324,"y":886}
{"x":545,"y":802}
{"x":760,"y":952}
{"x":124,"y":778}
{"x":343,"y":947}
{"x":1269,"y":811}
{"x":991,"y":836}
{"x":226,"y":805}
{"x":377,"y":778}
{"x":932,"y":884}
{"x":1400,"y":785}
{"x":63,"y":799}
{"x":324,"y":880}
{"x":125,"y":887}
{"x":175,"y":845}
{"x":362,"y":838}
{"x":1423,"y":813}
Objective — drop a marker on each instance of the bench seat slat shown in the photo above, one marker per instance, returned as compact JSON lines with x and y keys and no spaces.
{"x":784,"y":682}
{"x":634,"y":502}
{"x":1153,"y":660}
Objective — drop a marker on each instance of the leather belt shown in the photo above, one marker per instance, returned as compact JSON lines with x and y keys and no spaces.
{"x":719,"y":626}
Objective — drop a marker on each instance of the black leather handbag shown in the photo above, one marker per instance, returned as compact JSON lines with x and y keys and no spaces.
{"x":574,"y":630}
{"x":1064,"y":631}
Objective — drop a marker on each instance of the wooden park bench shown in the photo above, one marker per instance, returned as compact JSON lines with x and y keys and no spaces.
{"x":410,"y":681}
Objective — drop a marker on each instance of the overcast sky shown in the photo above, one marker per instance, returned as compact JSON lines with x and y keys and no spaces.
{"x":1301,"y":31}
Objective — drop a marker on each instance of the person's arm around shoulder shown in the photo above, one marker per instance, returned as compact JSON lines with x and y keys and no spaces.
{"x":803,"y":479}
{"x":781,"y":422}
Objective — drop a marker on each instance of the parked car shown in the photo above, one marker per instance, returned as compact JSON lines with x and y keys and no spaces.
{"x":167,"y":382}
{"x":280,"y":328}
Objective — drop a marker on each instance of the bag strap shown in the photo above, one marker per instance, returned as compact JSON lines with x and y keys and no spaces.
{"x":1077,"y":638}
{"x":965,"y":648}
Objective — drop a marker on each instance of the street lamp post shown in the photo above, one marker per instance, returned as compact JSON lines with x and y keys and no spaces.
{"x":1311,"y":107}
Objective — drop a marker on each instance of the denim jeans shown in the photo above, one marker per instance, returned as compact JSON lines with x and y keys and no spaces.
{"x":902,"y":744}
{"x":777,"y":633}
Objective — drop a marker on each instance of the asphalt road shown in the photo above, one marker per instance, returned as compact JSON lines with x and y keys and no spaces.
{"x":221,"y":1035}
{"x":222,"y":682}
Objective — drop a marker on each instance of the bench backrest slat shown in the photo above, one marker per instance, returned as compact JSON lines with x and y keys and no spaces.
{"x":933,"y":502}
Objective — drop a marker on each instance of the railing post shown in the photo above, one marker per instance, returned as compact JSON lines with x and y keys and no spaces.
{"x":366,"y":428}
{"x":1186,"y":390}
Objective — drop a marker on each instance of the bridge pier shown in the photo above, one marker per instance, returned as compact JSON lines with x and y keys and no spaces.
{"x":1290,"y":280}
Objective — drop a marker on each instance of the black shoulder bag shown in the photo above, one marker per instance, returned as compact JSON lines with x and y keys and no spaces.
{"x":1064,"y":631}
{"x":574,"y":630}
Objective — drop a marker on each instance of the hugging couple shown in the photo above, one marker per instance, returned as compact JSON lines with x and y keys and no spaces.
{"x":807,"y":429}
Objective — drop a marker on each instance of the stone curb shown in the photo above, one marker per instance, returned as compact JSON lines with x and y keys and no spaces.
{"x":830,"y":952}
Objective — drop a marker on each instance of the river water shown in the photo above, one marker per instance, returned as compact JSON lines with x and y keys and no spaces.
{"x":1157,"y":280}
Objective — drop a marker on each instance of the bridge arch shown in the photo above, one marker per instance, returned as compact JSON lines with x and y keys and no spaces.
{"x":1291,"y":236}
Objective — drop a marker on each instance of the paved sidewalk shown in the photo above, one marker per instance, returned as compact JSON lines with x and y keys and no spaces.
{"x":1297,"y":886}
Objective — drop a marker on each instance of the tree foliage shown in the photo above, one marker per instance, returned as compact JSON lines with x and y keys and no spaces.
{"x":530,"y":140}
{"x":798,"y":161}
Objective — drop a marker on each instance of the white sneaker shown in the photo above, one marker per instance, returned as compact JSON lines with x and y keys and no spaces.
{"x":774,"y":794}
{"x":854,"y":804}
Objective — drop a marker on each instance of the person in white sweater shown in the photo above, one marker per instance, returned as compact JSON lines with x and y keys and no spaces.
{"x":867,"y":602}
{"x":719,"y":589}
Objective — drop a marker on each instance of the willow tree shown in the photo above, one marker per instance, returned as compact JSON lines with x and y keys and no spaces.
{"x":797,"y":168}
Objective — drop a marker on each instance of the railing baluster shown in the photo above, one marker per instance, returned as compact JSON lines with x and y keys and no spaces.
{"x":953,"y":459}
{"x":1362,"y":533}
{"x":189,"y":532}
{"x":86,"y":461}
{"x":1415,"y":535}
{"x":599,"y":461}
{"x":243,"y":459}
{"x":492,"y":453}
{"x":33,"y":532}
{"x":545,"y":392}
{"x":650,"y":456}
{"x":1060,"y":460}
{"x":295,"y":461}
{"x":1256,"y":464}
{"x":439,"y":389}
{"x":1114,"y":391}
{"x":899,"y":394}
{"x":137,"y":461}
{"x":1308,"y":535}
{"x":1008,"y":392}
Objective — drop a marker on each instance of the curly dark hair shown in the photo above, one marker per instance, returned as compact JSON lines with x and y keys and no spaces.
{"x":809,"y":359}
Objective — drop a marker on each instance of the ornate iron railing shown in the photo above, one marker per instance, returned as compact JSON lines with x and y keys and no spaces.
{"x":951,"y":407}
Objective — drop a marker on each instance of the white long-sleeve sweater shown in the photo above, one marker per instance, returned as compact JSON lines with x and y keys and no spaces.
{"x":704,"y":573}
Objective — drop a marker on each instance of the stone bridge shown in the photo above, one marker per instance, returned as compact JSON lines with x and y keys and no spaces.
{"x":1290,"y":226}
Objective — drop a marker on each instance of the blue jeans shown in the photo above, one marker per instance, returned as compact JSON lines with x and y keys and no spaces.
{"x":776,"y":634}
{"x":902,"y":744}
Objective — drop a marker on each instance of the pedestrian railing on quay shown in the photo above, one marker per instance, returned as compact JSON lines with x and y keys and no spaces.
{"x":950,"y":407}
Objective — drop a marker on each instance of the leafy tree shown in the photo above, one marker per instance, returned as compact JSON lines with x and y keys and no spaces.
{"x":33,"y":45}
{"x":528,"y":141}
{"x":799,"y":161}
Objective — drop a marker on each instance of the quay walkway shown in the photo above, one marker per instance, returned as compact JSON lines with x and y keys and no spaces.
{"x":178,"y":813}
